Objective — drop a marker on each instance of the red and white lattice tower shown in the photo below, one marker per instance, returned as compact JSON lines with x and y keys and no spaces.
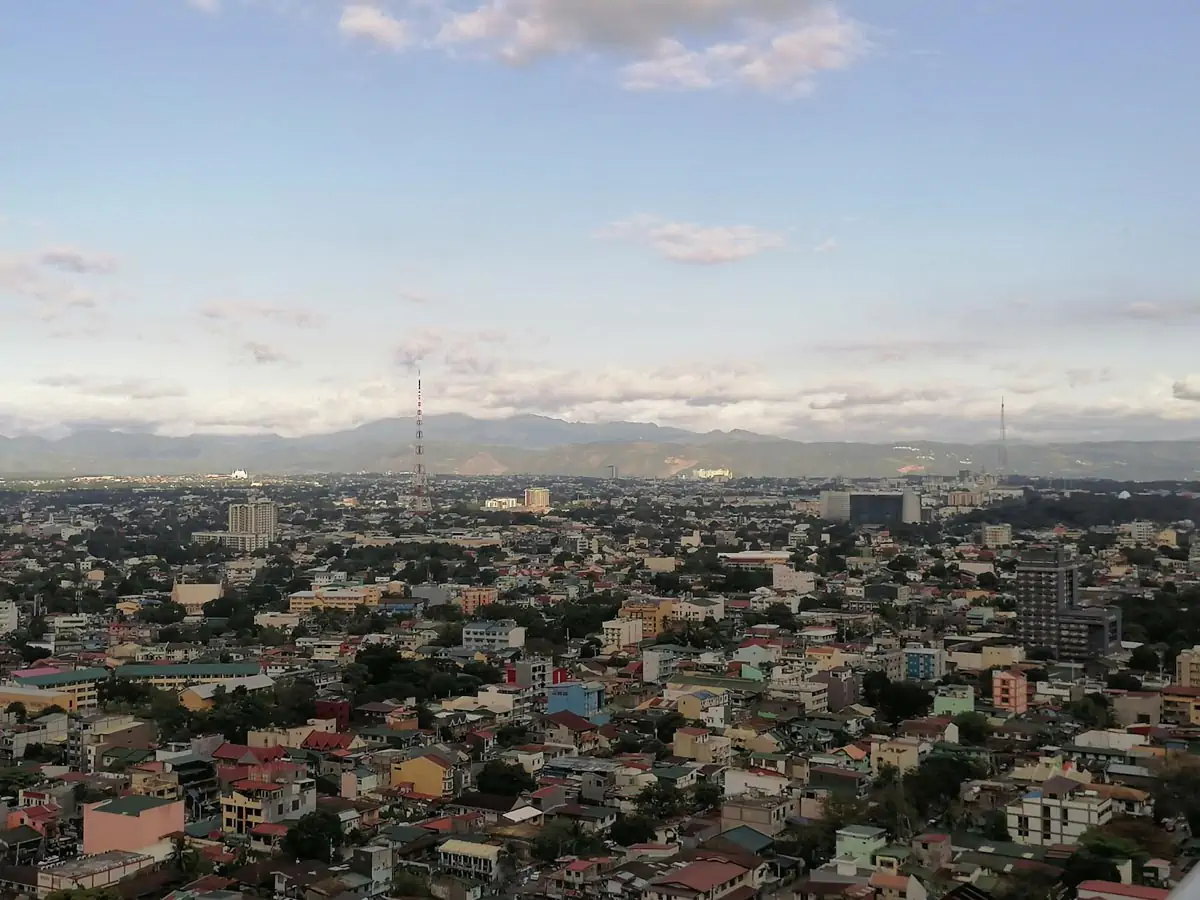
{"x":420,"y":501}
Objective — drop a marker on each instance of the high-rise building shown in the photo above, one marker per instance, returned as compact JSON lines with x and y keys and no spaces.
{"x":871,"y":508}
{"x":835,"y":506}
{"x":537,"y":498}
{"x":259,"y":516}
{"x":1049,"y":614}
{"x":995,"y":535}
{"x":1047,"y":586}
{"x":1187,"y":668}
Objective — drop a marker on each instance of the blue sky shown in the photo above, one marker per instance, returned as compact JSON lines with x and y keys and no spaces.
{"x":858,"y":220}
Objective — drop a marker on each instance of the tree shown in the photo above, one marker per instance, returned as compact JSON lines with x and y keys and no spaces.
{"x":708,"y":795}
{"x":668,"y":725}
{"x":17,"y":710}
{"x":184,"y":858}
{"x":904,"y":700}
{"x":504,"y":779}
{"x":629,"y":830}
{"x":562,"y":839}
{"x":1144,"y":659}
{"x":318,"y":835}
{"x":1123,"y":681}
{"x":661,"y":800}
{"x":995,"y":826}
{"x":1092,"y":711}
{"x":167,"y":613}
{"x":972,"y":728}
{"x":1086,"y":866}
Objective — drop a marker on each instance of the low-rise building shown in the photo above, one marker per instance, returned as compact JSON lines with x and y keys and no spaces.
{"x":475,"y":860}
{"x":1057,"y":813}
{"x":135,"y":824}
{"x":503,"y":634}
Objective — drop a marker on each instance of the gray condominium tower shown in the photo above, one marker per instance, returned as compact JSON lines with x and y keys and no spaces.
{"x":1049,"y":614}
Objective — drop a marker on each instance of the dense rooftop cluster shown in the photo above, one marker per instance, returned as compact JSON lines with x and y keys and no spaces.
{"x":719,"y":689}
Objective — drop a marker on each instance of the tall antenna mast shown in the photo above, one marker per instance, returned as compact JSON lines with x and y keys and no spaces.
{"x":421,"y":502}
{"x":1003,"y":441}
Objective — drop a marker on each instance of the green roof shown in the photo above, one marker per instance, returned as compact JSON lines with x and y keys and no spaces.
{"x":59,"y":679}
{"x":133,"y":805}
{"x":189,"y":670}
{"x":751,"y":839}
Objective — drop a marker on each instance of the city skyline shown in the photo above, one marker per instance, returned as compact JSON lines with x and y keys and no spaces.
{"x":822,"y":221}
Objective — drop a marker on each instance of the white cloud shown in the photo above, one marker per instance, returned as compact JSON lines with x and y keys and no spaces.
{"x":826,"y":246}
{"x":1161,"y":311}
{"x":249,"y":311}
{"x":765,"y":45}
{"x":127,"y":388}
{"x":781,"y":62}
{"x":265,"y":354}
{"x":207,"y":6}
{"x":1183,"y":390}
{"x":369,"y":23}
{"x":688,"y":242}
{"x":77,"y":262}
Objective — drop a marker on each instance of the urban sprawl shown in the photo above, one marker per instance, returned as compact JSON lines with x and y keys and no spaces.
{"x":712,"y":688}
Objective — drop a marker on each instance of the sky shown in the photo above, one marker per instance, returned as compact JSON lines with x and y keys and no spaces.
{"x":857,"y":220}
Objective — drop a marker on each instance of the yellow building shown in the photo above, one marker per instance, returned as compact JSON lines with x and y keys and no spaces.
{"x":1181,"y":705}
{"x":902,"y":754}
{"x":35,"y":699}
{"x":429,"y":775}
{"x":652,"y":612}
{"x":192,"y":597}
{"x":537,"y":499}
{"x":343,"y":599}
{"x":1187,"y":668}
{"x":177,"y":677}
{"x":81,"y":685}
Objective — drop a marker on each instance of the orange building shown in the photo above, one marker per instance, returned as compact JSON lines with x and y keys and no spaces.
{"x":1010,"y":691}
{"x":132,"y":823}
{"x":471,"y":599}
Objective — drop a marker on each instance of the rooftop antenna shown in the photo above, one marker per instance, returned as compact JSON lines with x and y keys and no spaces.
{"x":1003,"y":441}
{"x":420,"y":480}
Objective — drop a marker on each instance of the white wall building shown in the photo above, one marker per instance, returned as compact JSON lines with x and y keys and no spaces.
{"x":785,"y":578}
{"x":1058,"y":813}
{"x":620,"y":633}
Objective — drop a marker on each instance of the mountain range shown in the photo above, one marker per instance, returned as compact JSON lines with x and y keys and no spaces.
{"x":527,"y":444}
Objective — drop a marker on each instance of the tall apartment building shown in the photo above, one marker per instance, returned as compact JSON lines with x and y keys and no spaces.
{"x":259,"y":516}
{"x":652,"y":612}
{"x":1187,"y":668}
{"x":995,"y":535}
{"x":10,"y":617}
{"x":537,"y":499}
{"x":1048,"y":609}
{"x":871,"y":508}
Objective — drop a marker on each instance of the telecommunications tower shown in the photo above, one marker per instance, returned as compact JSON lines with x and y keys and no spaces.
{"x":419,"y":501}
{"x":1003,"y":441}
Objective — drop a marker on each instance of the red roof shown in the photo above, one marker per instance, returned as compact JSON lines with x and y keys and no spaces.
{"x":571,"y":721}
{"x":324,"y":740}
{"x":1135,"y":891}
{"x":702,"y":876}
{"x":269,"y":828}
{"x":241,"y":753}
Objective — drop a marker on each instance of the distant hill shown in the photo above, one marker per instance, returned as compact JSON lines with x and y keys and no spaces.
{"x":459,"y":444}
